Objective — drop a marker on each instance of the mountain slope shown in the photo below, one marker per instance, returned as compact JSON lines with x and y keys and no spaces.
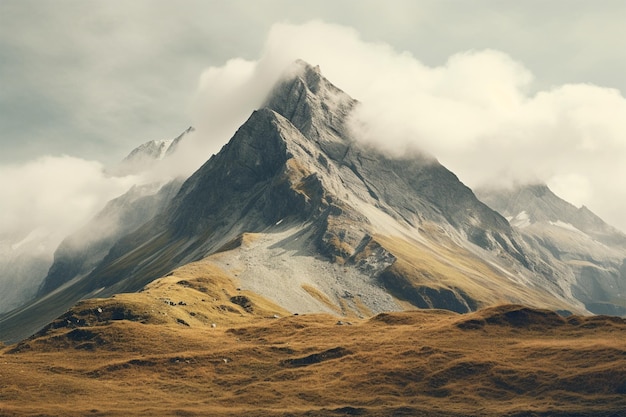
{"x":34,"y":264}
{"x":574,"y":239}
{"x":81,"y":252}
{"x":24,"y":261}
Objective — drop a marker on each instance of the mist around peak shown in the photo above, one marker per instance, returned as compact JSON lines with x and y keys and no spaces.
{"x":479,"y":112}
{"x":49,"y":201}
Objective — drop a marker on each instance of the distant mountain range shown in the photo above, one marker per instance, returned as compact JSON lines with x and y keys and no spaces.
{"x":25,"y":260}
{"x":300,"y":211}
{"x":579,"y":243}
{"x":148,"y":154}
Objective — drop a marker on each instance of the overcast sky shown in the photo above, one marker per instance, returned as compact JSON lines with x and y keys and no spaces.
{"x":535,"y":88}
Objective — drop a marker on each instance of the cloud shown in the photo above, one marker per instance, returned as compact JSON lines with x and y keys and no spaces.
{"x":53,"y":196}
{"x":42,"y":202}
{"x":477,"y":113}
{"x":96,"y":79}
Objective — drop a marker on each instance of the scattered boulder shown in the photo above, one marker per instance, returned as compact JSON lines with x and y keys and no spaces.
{"x":183,"y":322}
{"x":243,"y":301}
{"x":329,"y":354}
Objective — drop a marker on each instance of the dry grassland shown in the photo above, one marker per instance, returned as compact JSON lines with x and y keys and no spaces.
{"x":507,"y":360}
{"x":193,"y":344}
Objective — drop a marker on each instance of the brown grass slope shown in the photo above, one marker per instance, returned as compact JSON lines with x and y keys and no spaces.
{"x":158,"y":353}
{"x":444,"y":275}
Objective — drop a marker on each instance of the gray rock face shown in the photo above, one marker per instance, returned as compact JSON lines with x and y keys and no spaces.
{"x":573,"y":239}
{"x":315,"y":107}
{"x":413,"y":189}
{"x":250,"y":173}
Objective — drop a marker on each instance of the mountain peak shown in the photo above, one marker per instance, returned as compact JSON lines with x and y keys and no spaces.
{"x":536,"y":200}
{"x":315,"y":106}
{"x":538,"y":189}
{"x":311,"y":75}
{"x":537,"y":203}
{"x":154,"y":149}
{"x":146,"y":155}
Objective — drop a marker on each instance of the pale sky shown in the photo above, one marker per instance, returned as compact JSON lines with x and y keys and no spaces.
{"x":533,"y":88}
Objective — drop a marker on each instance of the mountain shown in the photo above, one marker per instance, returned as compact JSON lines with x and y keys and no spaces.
{"x":296,"y":209}
{"x":31,"y":264}
{"x":574,"y":239}
{"x":79,"y":253}
{"x":292,"y":170}
{"x":148,"y":154}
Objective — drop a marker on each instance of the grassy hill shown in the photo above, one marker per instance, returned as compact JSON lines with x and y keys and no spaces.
{"x":192,"y":344}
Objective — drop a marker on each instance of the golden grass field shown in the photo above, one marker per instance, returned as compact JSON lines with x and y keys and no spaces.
{"x":157,"y":353}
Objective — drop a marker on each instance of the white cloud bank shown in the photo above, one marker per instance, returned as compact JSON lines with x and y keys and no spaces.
{"x":42,"y":202}
{"x":476,"y":113}
{"x":51,"y":197}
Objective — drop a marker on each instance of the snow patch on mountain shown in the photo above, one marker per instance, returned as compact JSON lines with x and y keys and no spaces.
{"x":154,"y":149}
{"x":150,"y":155}
{"x":522,"y":219}
{"x":567,"y":226}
